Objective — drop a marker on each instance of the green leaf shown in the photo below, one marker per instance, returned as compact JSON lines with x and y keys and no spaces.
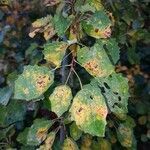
{"x":69,"y":144}
{"x":115,"y":89}
{"x":61,"y":24}
{"x":95,"y":61}
{"x":14,"y":112}
{"x":112,"y":49}
{"x":22,"y":137}
{"x":33,"y":82}
{"x":89,"y":111}
{"x":5,"y":94}
{"x":54,"y":52}
{"x":98,"y":25}
{"x":97,"y":4}
{"x":75,"y":132}
{"x":60,"y":99}
{"x":38,"y":131}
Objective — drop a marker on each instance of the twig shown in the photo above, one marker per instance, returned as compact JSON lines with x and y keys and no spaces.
{"x":78,"y":78}
{"x":68,"y":76}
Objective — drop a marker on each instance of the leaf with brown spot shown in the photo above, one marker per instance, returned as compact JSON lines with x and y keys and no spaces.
{"x":60,"y":99}
{"x":38,"y":131}
{"x":54,"y":52}
{"x":95,"y":61}
{"x":69,"y":144}
{"x":89,"y":111}
{"x":33,"y":82}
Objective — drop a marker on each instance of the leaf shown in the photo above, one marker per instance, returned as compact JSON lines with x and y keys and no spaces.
{"x":115,"y":89}
{"x":97,"y":4}
{"x":51,"y":2}
{"x":75,"y":132}
{"x":48,"y":143}
{"x":38,"y":132}
{"x":22,"y":137}
{"x":111,"y":48}
{"x":5,"y":94}
{"x":33,"y":82}
{"x":14,"y":112}
{"x":69,"y":144}
{"x":43,"y":25}
{"x":54,"y":52}
{"x":89,"y":111}
{"x":101,"y":144}
{"x":60,"y":99}
{"x":61,"y":24}
{"x":95,"y":61}
{"x":98,"y":25}
{"x":125,"y":135}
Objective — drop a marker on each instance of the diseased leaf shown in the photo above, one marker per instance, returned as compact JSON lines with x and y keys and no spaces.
{"x":89,"y":111}
{"x":61,"y":24}
{"x":125,"y":135}
{"x":69,"y":144}
{"x":115,"y":89}
{"x":101,"y":144}
{"x":98,"y":25}
{"x":43,"y":25}
{"x":54,"y":52}
{"x":33,"y":82}
{"x":95,"y":61}
{"x":5,"y":94}
{"x":60,"y":99}
{"x":75,"y":132}
{"x":38,"y":132}
{"x":48,"y":143}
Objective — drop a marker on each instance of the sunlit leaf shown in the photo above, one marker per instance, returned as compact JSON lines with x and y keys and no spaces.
{"x":33,"y":82}
{"x":95,"y":61}
{"x":75,"y":132}
{"x":5,"y":94}
{"x":98,"y":25}
{"x":69,"y":144}
{"x":89,"y":111}
{"x":38,"y":131}
{"x":115,"y":89}
{"x":60,"y":99}
{"x":54,"y":52}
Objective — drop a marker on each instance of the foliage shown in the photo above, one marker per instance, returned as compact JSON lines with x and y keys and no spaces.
{"x":62,"y":85}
